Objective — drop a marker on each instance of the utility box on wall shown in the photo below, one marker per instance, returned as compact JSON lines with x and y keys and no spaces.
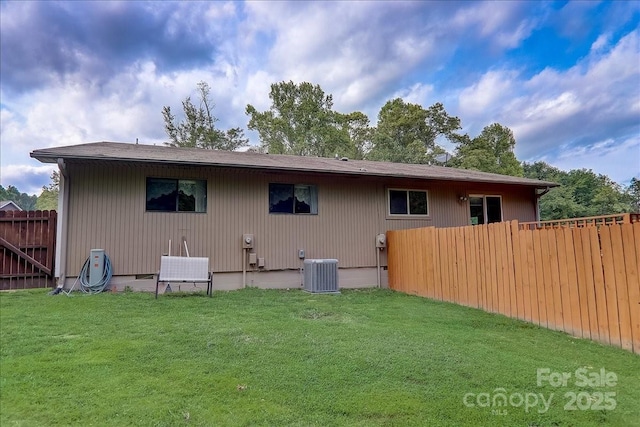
{"x":321,"y":275}
{"x":96,"y":268}
{"x":247,"y":241}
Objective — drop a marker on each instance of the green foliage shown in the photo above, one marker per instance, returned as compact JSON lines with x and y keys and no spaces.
{"x":491,"y":151}
{"x":407,"y":133}
{"x":301,"y":121}
{"x":359,"y":132}
{"x":268,"y":357}
{"x":582,"y":193}
{"x":25,"y":201}
{"x":48,"y":198}
{"x":633,"y":194}
{"x":198,"y":128}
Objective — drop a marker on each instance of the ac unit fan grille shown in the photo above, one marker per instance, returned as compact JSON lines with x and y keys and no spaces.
{"x":321,"y":275}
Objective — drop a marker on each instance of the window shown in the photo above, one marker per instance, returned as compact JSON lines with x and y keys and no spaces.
{"x":408,"y":202}
{"x":176,"y":195}
{"x":293,"y":199}
{"x":485,"y":209}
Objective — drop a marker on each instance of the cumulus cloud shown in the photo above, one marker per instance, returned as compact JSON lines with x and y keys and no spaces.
{"x":619,"y":160}
{"x":356,"y":50}
{"x":503,"y":24}
{"x":26,"y":178}
{"x":576,"y":108}
{"x":488,"y":94}
{"x":80,"y":72}
{"x":44,"y":42}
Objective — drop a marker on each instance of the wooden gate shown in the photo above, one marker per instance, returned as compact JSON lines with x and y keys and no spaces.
{"x":27,"y":249}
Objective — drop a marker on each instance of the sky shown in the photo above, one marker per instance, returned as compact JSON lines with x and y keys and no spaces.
{"x":563,"y":76}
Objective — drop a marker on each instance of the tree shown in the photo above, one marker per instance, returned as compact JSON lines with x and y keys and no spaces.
{"x":582,"y":193}
{"x":407,"y":133}
{"x":301,"y":121}
{"x":48,"y":198}
{"x":357,"y":127}
{"x":542,"y":171}
{"x":198,"y":128}
{"x":25,"y":201}
{"x":491,"y":151}
{"x":633,"y":195}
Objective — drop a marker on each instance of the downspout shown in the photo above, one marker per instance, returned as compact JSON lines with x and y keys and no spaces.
{"x":538,"y":195}
{"x":62,"y":228}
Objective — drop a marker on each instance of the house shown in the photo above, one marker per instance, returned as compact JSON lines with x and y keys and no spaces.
{"x":139,"y":202}
{"x":8,"y":205}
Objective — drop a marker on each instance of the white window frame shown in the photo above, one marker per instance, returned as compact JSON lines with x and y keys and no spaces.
{"x":409,"y":214}
{"x":484,"y":206}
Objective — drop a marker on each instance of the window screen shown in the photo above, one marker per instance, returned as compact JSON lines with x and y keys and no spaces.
{"x":176,"y":195}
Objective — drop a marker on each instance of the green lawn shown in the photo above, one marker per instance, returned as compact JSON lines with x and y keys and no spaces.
{"x":254,"y":357}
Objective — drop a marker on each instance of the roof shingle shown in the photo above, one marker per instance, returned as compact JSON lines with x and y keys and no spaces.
{"x":113,"y":151}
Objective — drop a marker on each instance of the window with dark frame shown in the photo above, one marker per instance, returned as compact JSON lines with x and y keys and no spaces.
{"x":176,"y":195}
{"x":485,"y":209}
{"x":408,"y":202}
{"x":293,"y":199}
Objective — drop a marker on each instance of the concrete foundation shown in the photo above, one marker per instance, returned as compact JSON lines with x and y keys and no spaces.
{"x":348,"y":278}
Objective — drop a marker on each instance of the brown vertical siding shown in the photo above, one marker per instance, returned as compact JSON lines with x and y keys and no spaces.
{"x":107,"y":210}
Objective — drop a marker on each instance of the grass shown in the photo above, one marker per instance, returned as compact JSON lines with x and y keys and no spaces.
{"x":254,"y":357}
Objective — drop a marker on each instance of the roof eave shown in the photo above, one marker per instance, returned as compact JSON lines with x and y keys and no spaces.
{"x":44,"y":157}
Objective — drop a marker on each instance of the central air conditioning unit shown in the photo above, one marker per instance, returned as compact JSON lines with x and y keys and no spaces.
{"x":321,"y":275}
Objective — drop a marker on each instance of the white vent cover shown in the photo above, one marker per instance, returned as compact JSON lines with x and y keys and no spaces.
{"x":321,"y":275}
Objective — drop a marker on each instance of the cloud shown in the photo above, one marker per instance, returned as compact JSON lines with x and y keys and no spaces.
{"x":488,"y":94}
{"x":601,"y":43}
{"x":596,"y":99}
{"x":42,"y":43}
{"x":504,"y":24}
{"x":416,"y":94}
{"x":28,"y":179}
{"x":618,"y":159}
{"x":81,"y":72}
{"x":333,"y":44}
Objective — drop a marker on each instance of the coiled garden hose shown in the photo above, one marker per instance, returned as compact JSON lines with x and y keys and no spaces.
{"x":96,"y":288}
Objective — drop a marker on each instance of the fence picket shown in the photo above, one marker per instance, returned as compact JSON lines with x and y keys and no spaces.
{"x":461,"y":264}
{"x":631,"y":238}
{"x":584,"y":281}
{"x":539,"y":283}
{"x":610,"y":286}
{"x":620,"y":271}
{"x":525,"y":274}
{"x":518,"y":280}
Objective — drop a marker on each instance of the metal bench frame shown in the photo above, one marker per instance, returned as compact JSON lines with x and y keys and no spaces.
{"x":185,"y":270}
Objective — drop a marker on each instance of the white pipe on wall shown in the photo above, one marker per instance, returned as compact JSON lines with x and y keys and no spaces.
{"x":378,"y":264}
{"x":244,"y":267}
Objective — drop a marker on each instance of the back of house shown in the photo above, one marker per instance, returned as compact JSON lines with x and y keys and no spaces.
{"x":139,"y":202}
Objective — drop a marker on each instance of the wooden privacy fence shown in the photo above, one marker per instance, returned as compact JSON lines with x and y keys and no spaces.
{"x":582,"y":280}
{"x":27,"y":249}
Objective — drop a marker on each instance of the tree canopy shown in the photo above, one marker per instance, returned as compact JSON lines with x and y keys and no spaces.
{"x":25,"y":201}
{"x":198,"y":128}
{"x":582,"y":193}
{"x":48,"y":198}
{"x":491,"y":151}
{"x":301,"y":121}
{"x":407,"y":133}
